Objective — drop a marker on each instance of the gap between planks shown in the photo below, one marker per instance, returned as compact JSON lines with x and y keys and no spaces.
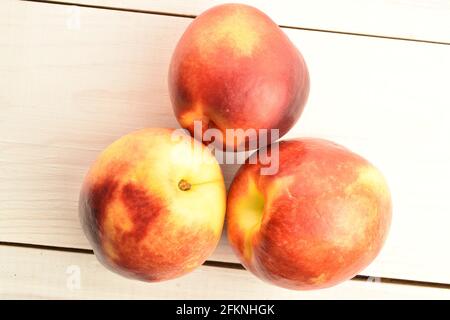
{"x":189,"y":16}
{"x":236,"y":266}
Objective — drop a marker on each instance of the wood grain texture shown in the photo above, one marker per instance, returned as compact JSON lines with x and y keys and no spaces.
{"x":27,"y":274}
{"x":75,"y":79}
{"x":412,"y":19}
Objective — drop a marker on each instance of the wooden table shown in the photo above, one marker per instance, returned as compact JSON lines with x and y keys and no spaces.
{"x":73,"y":78}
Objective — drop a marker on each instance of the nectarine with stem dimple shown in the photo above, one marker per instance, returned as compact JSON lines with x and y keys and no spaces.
{"x":153,"y":204}
{"x":319,"y":220}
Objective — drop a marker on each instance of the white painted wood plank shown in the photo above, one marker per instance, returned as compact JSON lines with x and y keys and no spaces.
{"x":412,"y":19}
{"x":42,"y":274}
{"x":72,"y":81}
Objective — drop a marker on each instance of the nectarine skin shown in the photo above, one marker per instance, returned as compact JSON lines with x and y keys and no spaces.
{"x":235,"y":68}
{"x":317,"y":222}
{"x":151,"y":208}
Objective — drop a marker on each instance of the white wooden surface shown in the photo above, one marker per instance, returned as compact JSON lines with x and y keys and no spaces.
{"x":74,"y":79}
{"x":26,"y":273}
{"x":410,"y":19}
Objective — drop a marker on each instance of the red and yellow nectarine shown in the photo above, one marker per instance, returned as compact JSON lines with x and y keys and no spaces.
{"x":234,"y":68}
{"x":152,"y":206}
{"x":319,"y":220}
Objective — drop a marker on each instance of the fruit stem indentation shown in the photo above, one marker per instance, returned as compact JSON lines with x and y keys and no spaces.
{"x":184,"y":185}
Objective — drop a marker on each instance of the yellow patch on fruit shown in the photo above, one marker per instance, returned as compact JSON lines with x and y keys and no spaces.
{"x":250,"y":210}
{"x":250,"y":207}
{"x":194,"y":113}
{"x":110,"y":251}
{"x":361,"y":205}
{"x":319,"y":279}
{"x":238,"y":30}
{"x":372,"y":178}
{"x":117,"y":215}
{"x":352,"y":223}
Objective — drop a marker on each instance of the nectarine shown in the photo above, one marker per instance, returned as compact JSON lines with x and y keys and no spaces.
{"x":152,"y":205}
{"x":234,"y":68}
{"x":319,"y":220}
